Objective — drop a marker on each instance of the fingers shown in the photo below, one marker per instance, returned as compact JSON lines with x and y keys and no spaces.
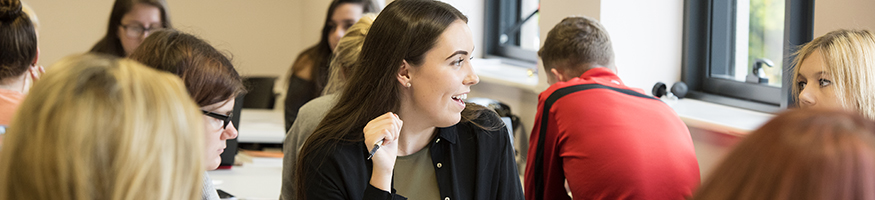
{"x":384,"y":129}
{"x":36,"y":72}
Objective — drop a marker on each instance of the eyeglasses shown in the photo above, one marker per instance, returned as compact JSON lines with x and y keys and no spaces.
{"x":224,"y":118}
{"x":136,"y":30}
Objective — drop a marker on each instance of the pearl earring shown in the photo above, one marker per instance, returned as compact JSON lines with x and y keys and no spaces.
{"x":408,"y":84}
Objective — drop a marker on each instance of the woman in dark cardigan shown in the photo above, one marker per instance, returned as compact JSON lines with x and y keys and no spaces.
{"x":414,"y":67}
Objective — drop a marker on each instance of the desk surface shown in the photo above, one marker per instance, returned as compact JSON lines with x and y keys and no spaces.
{"x":261,"y":126}
{"x":261,"y":179}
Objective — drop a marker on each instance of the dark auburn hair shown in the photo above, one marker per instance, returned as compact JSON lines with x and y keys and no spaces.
{"x":207,"y":73}
{"x":576,"y":43}
{"x":110,"y":43}
{"x":800,"y":154}
{"x":404,"y":30}
{"x":319,"y":55}
{"x":17,"y":40}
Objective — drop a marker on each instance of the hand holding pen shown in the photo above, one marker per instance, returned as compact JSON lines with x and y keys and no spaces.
{"x":381,"y":139}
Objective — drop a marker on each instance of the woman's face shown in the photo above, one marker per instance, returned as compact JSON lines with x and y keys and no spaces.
{"x":345,"y":15}
{"x":815,"y":84}
{"x":137,"y":24}
{"x":215,"y":134}
{"x":442,"y":82}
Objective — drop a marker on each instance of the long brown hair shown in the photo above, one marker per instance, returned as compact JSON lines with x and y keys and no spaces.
{"x":319,"y":55}
{"x":404,"y":30}
{"x":800,"y":154}
{"x":110,"y":43}
{"x":208,"y":74}
{"x":17,"y":40}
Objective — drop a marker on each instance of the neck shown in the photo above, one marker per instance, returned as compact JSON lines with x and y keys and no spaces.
{"x":415,"y":134}
{"x":14,"y":83}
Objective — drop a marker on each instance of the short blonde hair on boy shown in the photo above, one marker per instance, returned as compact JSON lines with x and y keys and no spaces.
{"x":96,"y":127}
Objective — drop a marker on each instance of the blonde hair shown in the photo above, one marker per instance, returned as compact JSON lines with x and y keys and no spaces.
{"x":346,"y":54}
{"x":800,"y":154}
{"x":96,"y":127}
{"x":849,"y":57}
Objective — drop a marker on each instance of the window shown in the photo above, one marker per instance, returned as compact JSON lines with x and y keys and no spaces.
{"x":738,"y":52}
{"x":512,"y":29}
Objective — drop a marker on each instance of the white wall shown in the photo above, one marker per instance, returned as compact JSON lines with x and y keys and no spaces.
{"x":647,"y":38}
{"x":848,"y":14}
{"x":262,"y":41}
{"x":262,"y":36}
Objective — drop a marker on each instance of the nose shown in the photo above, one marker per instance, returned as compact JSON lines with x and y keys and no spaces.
{"x":230,"y":132}
{"x":472,"y":77}
{"x":338,"y":32}
{"x":806,"y":98}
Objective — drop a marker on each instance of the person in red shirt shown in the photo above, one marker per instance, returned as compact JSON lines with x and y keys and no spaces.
{"x":607,"y":140}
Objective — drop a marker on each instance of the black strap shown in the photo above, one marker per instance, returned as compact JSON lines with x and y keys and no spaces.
{"x":545,"y":116}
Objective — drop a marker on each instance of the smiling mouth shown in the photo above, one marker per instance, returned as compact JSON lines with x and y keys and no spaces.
{"x":460,"y":97}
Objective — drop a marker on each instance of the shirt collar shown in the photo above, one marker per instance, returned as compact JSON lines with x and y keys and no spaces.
{"x":448,"y":134}
{"x":602,"y":75}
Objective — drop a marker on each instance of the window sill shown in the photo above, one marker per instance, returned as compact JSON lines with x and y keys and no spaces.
{"x":497,"y":72}
{"x":718,"y":118}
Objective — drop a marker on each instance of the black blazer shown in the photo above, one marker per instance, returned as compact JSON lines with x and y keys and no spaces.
{"x":469,"y":162}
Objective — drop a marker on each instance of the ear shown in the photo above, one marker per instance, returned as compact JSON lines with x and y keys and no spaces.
{"x":35,"y":58}
{"x":404,"y":73}
{"x":559,"y":75}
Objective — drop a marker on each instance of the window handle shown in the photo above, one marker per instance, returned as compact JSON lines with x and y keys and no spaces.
{"x":757,"y":74}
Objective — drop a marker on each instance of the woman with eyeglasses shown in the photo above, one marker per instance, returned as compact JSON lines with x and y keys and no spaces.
{"x":211,"y":81}
{"x":129,"y":23}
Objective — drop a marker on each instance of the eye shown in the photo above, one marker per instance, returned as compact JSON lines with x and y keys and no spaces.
{"x":332,"y":26}
{"x":801,"y":85}
{"x":458,"y":62}
{"x":824,"y":82}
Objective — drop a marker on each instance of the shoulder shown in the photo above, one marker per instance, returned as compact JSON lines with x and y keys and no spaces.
{"x":320,"y":105}
{"x":583,"y":90}
{"x":317,"y":108}
{"x":303,"y":65}
{"x":479,"y":117}
{"x":108,"y":47}
{"x":304,"y":59}
{"x":484,"y":124}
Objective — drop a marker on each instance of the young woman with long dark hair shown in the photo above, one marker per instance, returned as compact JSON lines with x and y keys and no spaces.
{"x":407,"y":98}
{"x":309,"y":73}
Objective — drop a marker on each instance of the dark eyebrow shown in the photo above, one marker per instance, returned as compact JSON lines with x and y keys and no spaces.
{"x":457,"y":53}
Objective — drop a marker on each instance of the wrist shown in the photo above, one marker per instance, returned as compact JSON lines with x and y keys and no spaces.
{"x":381,"y":179}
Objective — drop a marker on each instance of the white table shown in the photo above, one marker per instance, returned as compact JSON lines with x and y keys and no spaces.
{"x":261,"y":126}
{"x":261,"y":179}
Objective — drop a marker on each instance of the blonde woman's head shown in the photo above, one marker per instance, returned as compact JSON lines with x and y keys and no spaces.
{"x":347,"y":52}
{"x":837,"y":70}
{"x":96,"y":127}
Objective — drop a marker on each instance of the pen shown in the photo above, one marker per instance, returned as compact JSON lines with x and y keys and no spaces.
{"x":376,"y":146}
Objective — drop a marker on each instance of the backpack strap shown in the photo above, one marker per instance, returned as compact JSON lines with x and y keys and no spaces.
{"x":545,"y":117}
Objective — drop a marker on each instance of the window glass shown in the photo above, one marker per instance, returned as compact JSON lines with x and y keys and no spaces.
{"x":758,"y":41}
